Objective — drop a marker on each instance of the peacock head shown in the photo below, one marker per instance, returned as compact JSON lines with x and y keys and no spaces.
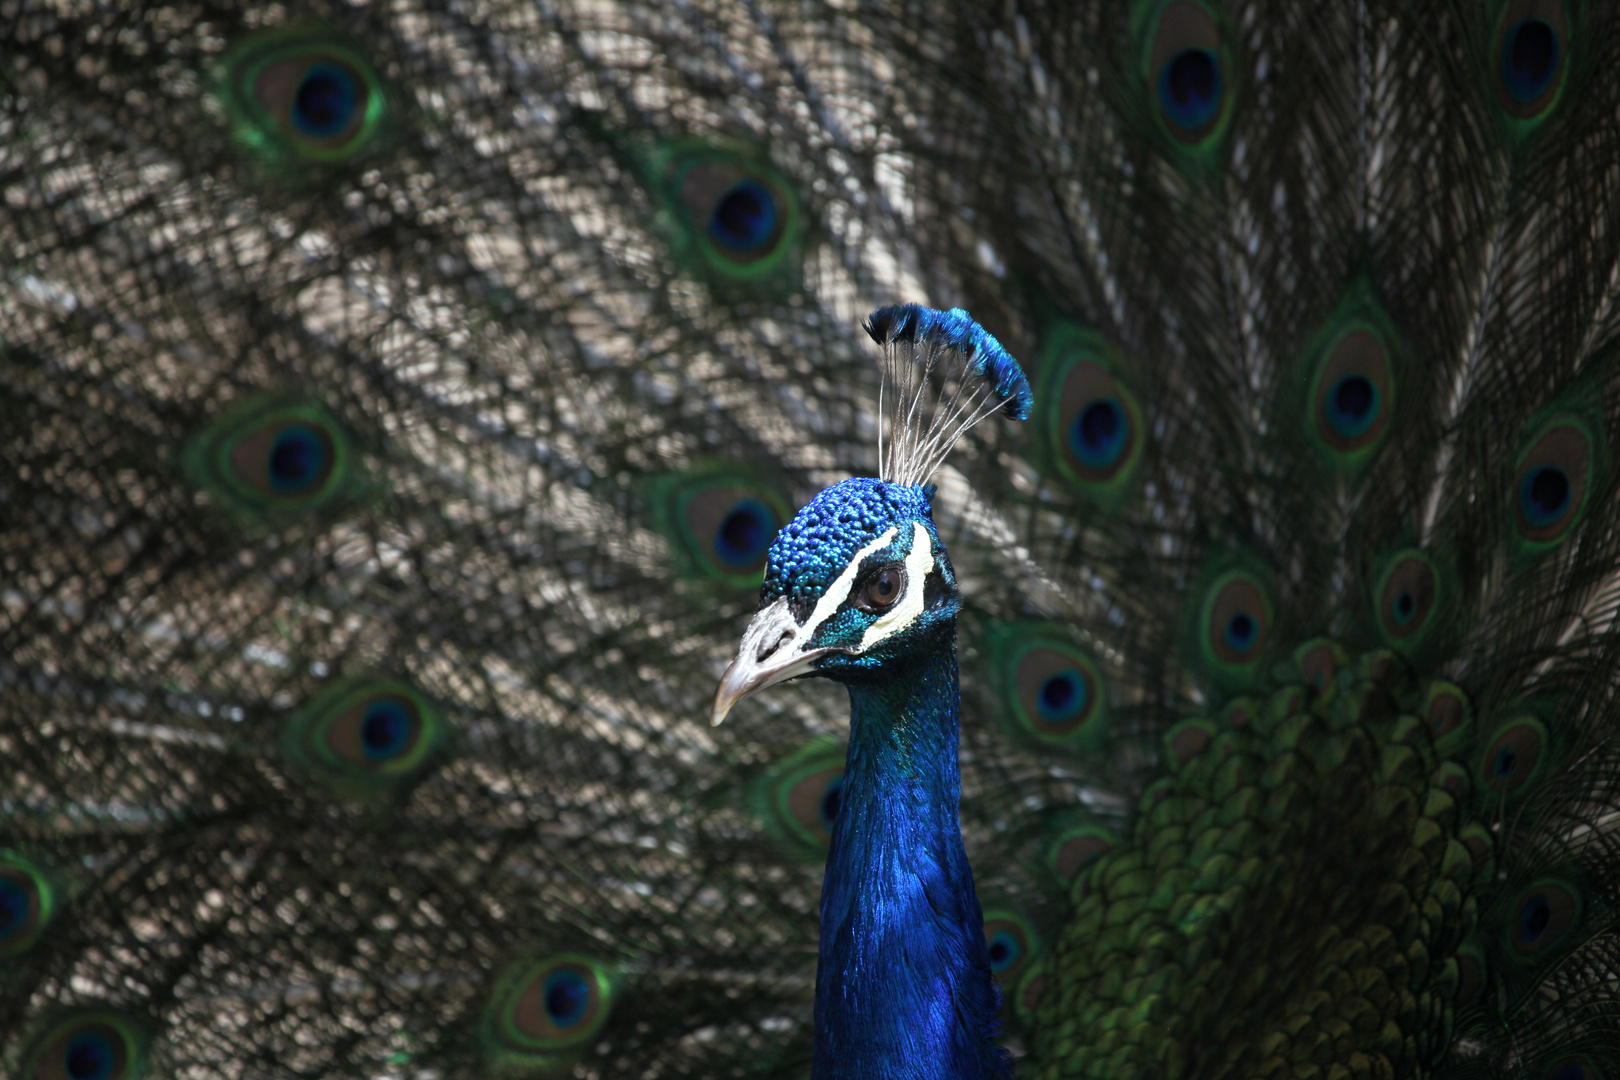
{"x":858,"y":582}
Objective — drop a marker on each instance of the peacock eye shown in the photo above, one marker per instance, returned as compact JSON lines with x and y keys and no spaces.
{"x":882,"y":588}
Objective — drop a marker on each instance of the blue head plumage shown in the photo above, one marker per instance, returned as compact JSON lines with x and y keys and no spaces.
{"x":864,"y":575}
{"x":858,"y":588}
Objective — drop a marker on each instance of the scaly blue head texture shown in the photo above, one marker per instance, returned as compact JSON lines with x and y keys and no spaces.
{"x":858,"y":588}
{"x":822,"y":543}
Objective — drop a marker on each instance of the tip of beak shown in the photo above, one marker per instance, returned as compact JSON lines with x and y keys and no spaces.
{"x":727,"y":694}
{"x":717,"y":715}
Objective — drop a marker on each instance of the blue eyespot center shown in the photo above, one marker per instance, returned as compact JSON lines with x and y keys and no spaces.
{"x":830,"y":800}
{"x":567,"y":995}
{"x":1190,"y":88}
{"x":325,"y":101}
{"x":1405,"y":607}
{"x":14,"y":907}
{"x":1240,"y":632}
{"x":1534,"y":918}
{"x":1004,"y":951}
{"x":385,"y":730}
{"x":744,"y":534}
{"x":1099,"y":433}
{"x":1062,"y":697}
{"x":89,"y":1057}
{"x":1505,"y":763}
{"x":744,"y":219}
{"x":1545,"y":495}
{"x":1572,"y":1071}
{"x":297,"y":459}
{"x":1529,"y":59}
{"x":1352,"y":405}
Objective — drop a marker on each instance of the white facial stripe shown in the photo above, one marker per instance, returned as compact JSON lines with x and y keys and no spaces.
{"x":919,"y":564}
{"x":838,"y":591}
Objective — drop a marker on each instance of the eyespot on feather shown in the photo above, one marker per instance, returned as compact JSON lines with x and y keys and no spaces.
{"x":1076,"y":848}
{"x":1048,"y":687}
{"x":1239,"y":713}
{"x":1449,"y":717}
{"x":733,"y":215}
{"x":1408,"y":598}
{"x":93,"y":1045}
{"x":1530,"y":57}
{"x":1542,"y":918}
{"x":1091,"y":421}
{"x":542,"y":1013}
{"x":720,"y":524}
{"x":1101,"y":423}
{"x":273,"y":461}
{"x":1552,"y":481}
{"x":28,"y":903}
{"x":301,"y":95}
{"x":1234,"y":625}
{"x":1011,"y":944}
{"x":365,"y":738}
{"x":1353,"y":392}
{"x":733,"y":527}
{"x":798,"y":799}
{"x":1318,"y":661}
{"x":812,"y":802}
{"x":1513,"y":758}
{"x":1187,"y":740}
{"x":1057,"y":691}
{"x":1188,"y":73}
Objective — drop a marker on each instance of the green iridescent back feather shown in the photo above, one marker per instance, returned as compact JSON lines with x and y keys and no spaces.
{"x":396,"y":403}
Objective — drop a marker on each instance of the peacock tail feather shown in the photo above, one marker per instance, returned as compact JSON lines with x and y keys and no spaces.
{"x":398,"y":403}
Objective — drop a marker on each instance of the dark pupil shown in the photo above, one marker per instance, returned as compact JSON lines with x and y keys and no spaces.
{"x":1506,"y":762}
{"x":741,"y":214}
{"x":829,"y":801}
{"x":740,"y":532}
{"x":883,"y":588}
{"x":13,"y":905}
{"x":565,"y":998}
{"x":88,"y":1056}
{"x":1548,"y":490}
{"x":1098,"y":424}
{"x":1536,"y":918}
{"x":1057,"y":693}
{"x":295,"y":458}
{"x":322,"y":100}
{"x":1353,"y":397}
{"x":1533,"y":50}
{"x":1192,"y":76}
{"x":1241,"y":627}
{"x":384,"y":727}
{"x":1404,"y":605}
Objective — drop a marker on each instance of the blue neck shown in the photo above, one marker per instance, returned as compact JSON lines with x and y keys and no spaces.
{"x":903,"y":986}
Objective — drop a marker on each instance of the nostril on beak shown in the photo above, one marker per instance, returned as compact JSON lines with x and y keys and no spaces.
{"x":768,"y":649}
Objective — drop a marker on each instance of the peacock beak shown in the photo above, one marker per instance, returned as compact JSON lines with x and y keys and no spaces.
{"x":771,"y":652}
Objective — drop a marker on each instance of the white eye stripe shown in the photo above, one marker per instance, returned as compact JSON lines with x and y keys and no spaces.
{"x":838,"y":591}
{"x":919,"y":564}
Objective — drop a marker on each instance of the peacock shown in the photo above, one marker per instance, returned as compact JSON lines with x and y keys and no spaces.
{"x":1182,"y":427}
